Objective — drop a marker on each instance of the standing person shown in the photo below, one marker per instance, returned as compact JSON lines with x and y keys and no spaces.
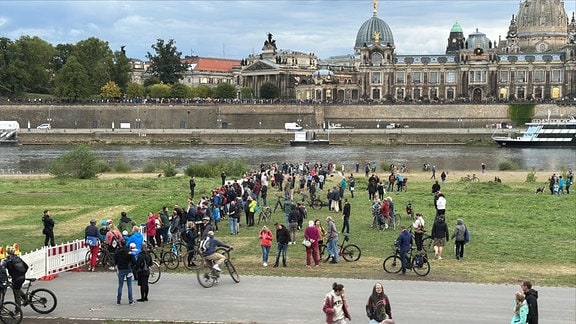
{"x":483,"y":167}
{"x":404,"y":242}
{"x":165,"y":224}
{"x":293,"y":223}
{"x":351,"y":184}
{"x":136,"y":237}
{"x":443,"y":177}
{"x":143,"y":270}
{"x":460,"y":238}
{"x":439,"y":235}
{"x":321,"y":231}
{"x":151,"y":230}
{"x":440,"y":204}
{"x":378,"y":307}
{"x":283,"y":238}
{"x":313,"y":236}
{"x":346,"y":217}
{"x":92,"y":239}
{"x":332,"y":237}
{"x":520,"y":309}
{"x":335,"y":306}
{"x":433,"y":172}
{"x":418,"y":226}
{"x":223,"y":177}
{"x":189,"y":236}
{"x":435,"y":187}
{"x":532,"y":301}
{"x":252,"y":203}
{"x":125,"y":261}
{"x":48,"y":229}
{"x":126,"y":223}
{"x":265,"y":237}
{"x":192,"y":184}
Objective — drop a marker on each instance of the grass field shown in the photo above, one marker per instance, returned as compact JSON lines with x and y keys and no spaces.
{"x":515,"y":233}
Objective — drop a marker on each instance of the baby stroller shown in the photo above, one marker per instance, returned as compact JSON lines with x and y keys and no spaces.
{"x":410,"y":209}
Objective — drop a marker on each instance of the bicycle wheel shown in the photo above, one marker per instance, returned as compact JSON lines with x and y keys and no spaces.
{"x":323,"y":252}
{"x":351,"y":252}
{"x":392,"y":264}
{"x":267,"y":214}
{"x":10,"y":313}
{"x":421,"y":270}
{"x":232,"y":270}
{"x":397,"y":221}
{"x":155,"y":273}
{"x":108,"y":261}
{"x":170,"y":260}
{"x":428,"y":244}
{"x":205,"y":277}
{"x":42,"y":300}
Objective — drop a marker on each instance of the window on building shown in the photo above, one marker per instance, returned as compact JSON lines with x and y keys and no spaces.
{"x":521,"y":93}
{"x":478,"y":77}
{"x":538,"y":93}
{"x":539,"y":76}
{"x":376,"y":78}
{"x":521,"y":76}
{"x":417,"y":94}
{"x":376,"y":94}
{"x":417,"y":77}
{"x":450,"y":77}
{"x":433,"y":93}
{"x":203,"y":80}
{"x":433,"y":77}
{"x":504,"y":76}
{"x":450,"y":93}
{"x":400,"y":77}
{"x":556,"y":76}
{"x":400,"y":94}
{"x":377,"y":59}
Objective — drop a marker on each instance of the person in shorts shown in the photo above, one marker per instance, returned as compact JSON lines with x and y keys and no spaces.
{"x":440,"y":235}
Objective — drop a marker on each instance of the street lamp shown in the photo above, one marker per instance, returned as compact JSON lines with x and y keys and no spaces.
{"x":219,"y":121}
{"x":378,"y":124}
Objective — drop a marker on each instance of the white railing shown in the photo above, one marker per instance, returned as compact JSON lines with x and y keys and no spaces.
{"x":48,"y":261}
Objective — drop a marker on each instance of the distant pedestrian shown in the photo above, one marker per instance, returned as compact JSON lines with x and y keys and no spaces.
{"x":443,"y":177}
{"x":520,"y":309}
{"x":433,"y":172}
{"x":282,"y":239}
{"x":312,"y":235}
{"x":335,"y":306}
{"x":440,"y":235}
{"x":483,"y":167}
{"x":265,"y":237}
{"x":346,"y":217}
{"x":459,"y":237}
{"x":48,"y":229}
{"x":223,"y":177}
{"x":351,"y":184}
{"x":192,"y":187}
{"x":404,"y":243}
{"x":332,"y":238}
{"x":143,"y":272}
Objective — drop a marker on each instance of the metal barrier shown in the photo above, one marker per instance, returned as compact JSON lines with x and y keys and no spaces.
{"x":47,"y":262}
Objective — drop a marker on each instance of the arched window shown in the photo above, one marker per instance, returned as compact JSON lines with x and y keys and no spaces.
{"x":377,"y":59}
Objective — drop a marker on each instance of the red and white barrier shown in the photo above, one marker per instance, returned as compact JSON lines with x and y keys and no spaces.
{"x":47,"y":262}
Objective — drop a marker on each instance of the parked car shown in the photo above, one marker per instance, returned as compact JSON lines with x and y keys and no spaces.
{"x":44,"y":126}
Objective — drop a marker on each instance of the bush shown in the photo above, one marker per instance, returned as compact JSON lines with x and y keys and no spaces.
{"x":81,"y":163}
{"x":122,"y":166}
{"x":212,"y":169}
{"x":169,"y":168}
{"x":531,"y":176}
{"x":150,"y":167}
{"x":508,"y":165}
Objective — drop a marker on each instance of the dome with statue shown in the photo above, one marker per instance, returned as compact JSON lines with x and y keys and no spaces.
{"x":323,"y":76}
{"x":372,"y":31}
{"x":478,"y":40}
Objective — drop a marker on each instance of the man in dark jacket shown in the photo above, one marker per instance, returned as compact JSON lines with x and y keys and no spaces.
{"x":125,"y":262}
{"x":440,"y":235}
{"x":283,"y":238}
{"x":126,"y":223}
{"x":404,"y":242}
{"x":532,"y":301}
{"x":48,"y":229}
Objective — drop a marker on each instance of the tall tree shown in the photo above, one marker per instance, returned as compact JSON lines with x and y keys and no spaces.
{"x":121,"y":70}
{"x":36,"y":56}
{"x":166,"y":63}
{"x":72,"y":81}
{"x":98,"y":61}
{"x":225,"y":91}
{"x":134,"y":90}
{"x":110,"y":90}
{"x":269,"y":91}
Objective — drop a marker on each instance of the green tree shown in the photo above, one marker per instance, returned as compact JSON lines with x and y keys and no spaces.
{"x":225,"y":91}
{"x":160,"y":91}
{"x":134,"y":90}
{"x":521,"y":113}
{"x":72,"y":81}
{"x":179,"y":90}
{"x":36,"y":56}
{"x":269,"y":91}
{"x":81,"y":163}
{"x":121,"y":70}
{"x":110,"y":90}
{"x":98,"y":61}
{"x":246,"y":93}
{"x":166,"y":63}
{"x":63,"y":51}
{"x":151,"y":80}
{"x":202,"y":91}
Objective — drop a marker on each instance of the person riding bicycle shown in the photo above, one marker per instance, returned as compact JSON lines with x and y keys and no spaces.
{"x":210,"y":250}
{"x":18,"y":276}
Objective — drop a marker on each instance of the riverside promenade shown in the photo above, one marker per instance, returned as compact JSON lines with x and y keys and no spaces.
{"x":84,"y":296}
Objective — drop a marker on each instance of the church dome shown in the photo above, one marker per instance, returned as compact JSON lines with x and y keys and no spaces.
{"x":542,"y":25}
{"x":478,"y":40}
{"x":456,"y":28}
{"x":372,"y":27}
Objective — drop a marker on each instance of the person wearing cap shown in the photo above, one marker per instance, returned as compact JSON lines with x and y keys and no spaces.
{"x":210,"y":253}
{"x":206,"y":226}
{"x":17,"y":277}
{"x":103,"y":230}
{"x":92,"y":238}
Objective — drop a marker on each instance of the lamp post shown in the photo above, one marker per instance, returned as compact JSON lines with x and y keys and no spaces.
{"x":219,"y":121}
{"x":378,"y":124}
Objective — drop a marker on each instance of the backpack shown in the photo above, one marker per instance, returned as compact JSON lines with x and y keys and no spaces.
{"x":204,"y":244}
{"x":19,"y":265}
{"x":466,"y":236}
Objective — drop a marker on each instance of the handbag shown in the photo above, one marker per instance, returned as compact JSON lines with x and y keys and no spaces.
{"x":306,"y":243}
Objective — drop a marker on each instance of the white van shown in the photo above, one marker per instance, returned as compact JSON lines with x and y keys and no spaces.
{"x":292,"y":126}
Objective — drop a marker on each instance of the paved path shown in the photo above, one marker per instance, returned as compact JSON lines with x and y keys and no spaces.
{"x":179,"y":297}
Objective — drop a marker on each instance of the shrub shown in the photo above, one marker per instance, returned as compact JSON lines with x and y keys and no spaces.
{"x":212,"y":169}
{"x":81,"y":163}
{"x":169,"y":168}
{"x":531,"y":176}
{"x":122,"y":166}
{"x":150,"y":167}
{"x":507,"y":165}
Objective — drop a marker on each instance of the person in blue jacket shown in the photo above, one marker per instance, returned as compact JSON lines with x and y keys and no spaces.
{"x":404,"y":242}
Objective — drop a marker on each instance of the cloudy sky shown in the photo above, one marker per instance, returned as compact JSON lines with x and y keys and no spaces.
{"x":234,"y":29}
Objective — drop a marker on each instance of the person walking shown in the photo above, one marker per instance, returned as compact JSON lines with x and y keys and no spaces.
{"x":335,"y":306}
{"x":532,"y":301}
{"x":439,"y":235}
{"x":520,"y":309}
{"x":293,"y":223}
{"x":143,"y":272}
{"x":378,"y":307}
{"x":418,"y":227}
{"x":312,"y":235}
{"x":404,"y":243}
{"x":433,"y":176}
{"x":282,"y":239}
{"x":332,"y":238}
{"x":125,"y":261}
{"x":265,"y":237}
{"x":440,"y":204}
{"x":460,"y":238}
{"x":92,"y":239}
{"x":346,"y":217}
{"x":48,"y":229}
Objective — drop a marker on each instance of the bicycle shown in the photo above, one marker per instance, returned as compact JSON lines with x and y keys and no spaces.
{"x":427,"y":241}
{"x":169,"y":258}
{"x":10,"y":313}
{"x":105,"y":257}
{"x":279,"y":203}
{"x":208,"y":276}
{"x":418,"y":263}
{"x":41,"y":300}
{"x":314,"y":202}
{"x":155,"y":272}
{"x":350,"y":252}
{"x":468,"y":178}
{"x":265,"y":214}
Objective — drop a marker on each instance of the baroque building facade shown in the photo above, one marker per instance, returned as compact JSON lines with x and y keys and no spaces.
{"x":536,"y":61}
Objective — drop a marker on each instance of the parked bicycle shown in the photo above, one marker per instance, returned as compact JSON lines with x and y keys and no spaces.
{"x":314,"y":202}
{"x":417,"y":262}
{"x":279,"y":203}
{"x":427,"y":241}
{"x":470,"y":178}
{"x":208,"y":276}
{"x":105,"y":257}
{"x":350,"y":252}
{"x":169,"y":258}
{"x":265,"y":214}
{"x":41,"y":300}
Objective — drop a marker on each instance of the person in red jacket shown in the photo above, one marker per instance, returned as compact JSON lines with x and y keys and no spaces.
{"x":335,"y":306}
{"x":266,"y":237}
{"x":312,"y":235}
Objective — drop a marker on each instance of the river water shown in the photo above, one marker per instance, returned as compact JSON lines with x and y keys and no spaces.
{"x":36,"y":158}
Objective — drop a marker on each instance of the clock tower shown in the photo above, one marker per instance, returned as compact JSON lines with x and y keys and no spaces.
{"x":455,"y":40}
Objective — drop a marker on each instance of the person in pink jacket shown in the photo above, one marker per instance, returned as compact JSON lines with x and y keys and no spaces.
{"x":313,"y":236}
{"x":151,"y":229}
{"x":266,"y":238}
